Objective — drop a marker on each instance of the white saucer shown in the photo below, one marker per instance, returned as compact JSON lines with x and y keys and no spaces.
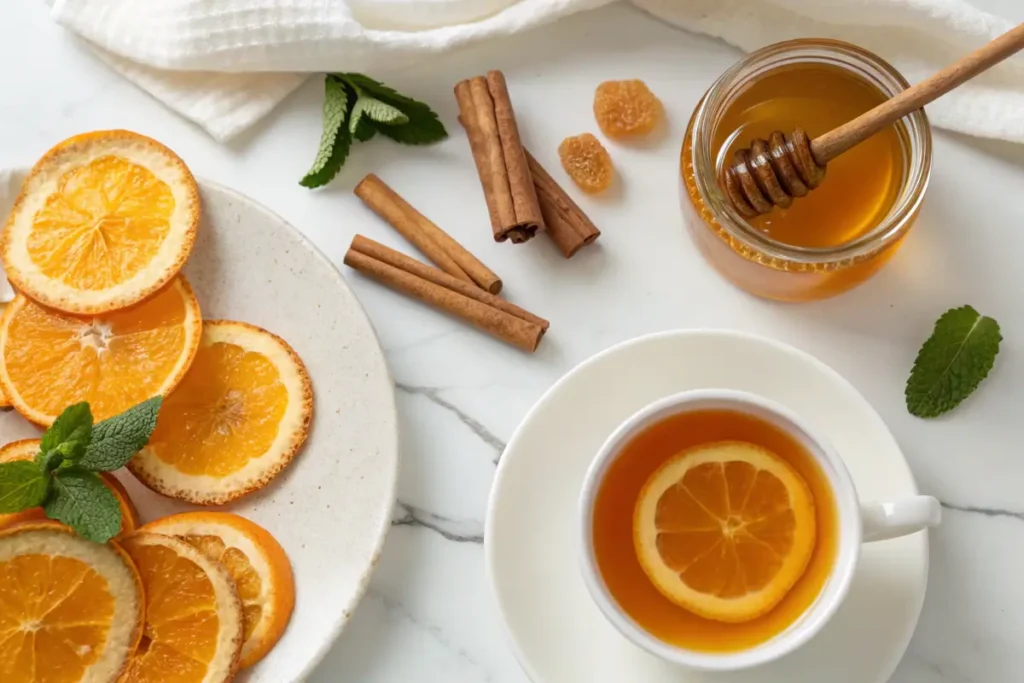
{"x":559,"y":635}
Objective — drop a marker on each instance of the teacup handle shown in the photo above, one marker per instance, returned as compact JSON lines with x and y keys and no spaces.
{"x":883,"y":521}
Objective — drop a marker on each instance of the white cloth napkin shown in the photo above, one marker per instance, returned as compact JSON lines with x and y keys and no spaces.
{"x":226,"y":63}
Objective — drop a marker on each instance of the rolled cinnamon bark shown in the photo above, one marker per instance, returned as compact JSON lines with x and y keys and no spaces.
{"x":423,"y":285}
{"x":567,"y":225}
{"x":374,"y":249}
{"x":485,"y":111}
{"x":440,"y":247}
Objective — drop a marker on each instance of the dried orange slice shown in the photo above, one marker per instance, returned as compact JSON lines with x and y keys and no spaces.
{"x":114,"y":361}
{"x":193,"y":630}
{"x":103,"y":221}
{"x":70,"y":609}
{"x":237,"y":419}
{"x":4,"y":401}
{"x":27,"y":449}
{"x":725,"y":530}
{"x":256,"y":562}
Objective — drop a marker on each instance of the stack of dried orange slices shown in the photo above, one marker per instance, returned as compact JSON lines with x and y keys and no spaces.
{"x":94,"y":246}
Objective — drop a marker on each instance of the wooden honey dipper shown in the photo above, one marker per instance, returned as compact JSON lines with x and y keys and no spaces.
{"x":772,"y":172}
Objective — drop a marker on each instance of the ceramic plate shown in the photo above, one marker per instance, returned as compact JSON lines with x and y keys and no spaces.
{"x":559,"y":635}
{"x":331,"y":507}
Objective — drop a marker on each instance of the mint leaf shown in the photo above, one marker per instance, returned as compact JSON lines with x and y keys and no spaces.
{"x":116,"y":439}
{"x":81,"y":500}
{"x":70,"y":432}
{"x":423,"y":126}
{"x":952,"y":362}
{"x":364,"y":129}
{"x":22,"y":485}
{"x":50,"y":460}
{"x":422,"y":129}
{"x":382,"y":92}
{"x":375,"y":110}
{"x":335,"y":139}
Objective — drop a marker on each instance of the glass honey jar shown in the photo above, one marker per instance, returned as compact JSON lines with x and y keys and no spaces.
{"x":851,"y":225}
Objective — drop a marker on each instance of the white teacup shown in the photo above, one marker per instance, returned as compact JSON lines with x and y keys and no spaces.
{"x":857,"y":523}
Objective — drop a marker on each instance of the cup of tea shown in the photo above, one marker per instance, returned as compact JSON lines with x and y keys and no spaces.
{"x":719,"y":531}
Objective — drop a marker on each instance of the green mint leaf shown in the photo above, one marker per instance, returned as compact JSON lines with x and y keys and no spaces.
{"x":952,"y":362}
{"x":365,"y":84}
{"x":375,"y":110}
{"x":50,"y":460}
{"x":70,"y":432}
{"x":422,"y":129}
{"x":116,"y":439}
{"x":335,"y":139}
{"x":22,"y":485}
{"x":81,"y":500}
{"x":364,"y":129}
{"x":423,"y":126}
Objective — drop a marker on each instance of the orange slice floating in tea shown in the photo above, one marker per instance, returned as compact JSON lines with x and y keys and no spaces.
{"x":237,"y":419}
{"x":725,"y":530}
{"x":113,"y":361}
{"x":256,"y":562}
{"x":71,"y":611}
{"x":103,"y":221}
{"x":27,"y":449}
{"x":193,"y":630}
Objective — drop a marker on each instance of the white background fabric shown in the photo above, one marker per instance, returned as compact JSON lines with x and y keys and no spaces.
{"x":226,"y":63}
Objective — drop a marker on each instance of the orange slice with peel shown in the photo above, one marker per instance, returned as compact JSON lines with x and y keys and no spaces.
{"x":114,"y":361}
{"x":103,"y":220}
{"x":26,"y":449}
{"x":256,"y":562}
{"x":193,"y":629}
{"x":70,"y":609}
{"x":4,"y":401}
{"x":237,"y":419}
{"x":725,"y":530}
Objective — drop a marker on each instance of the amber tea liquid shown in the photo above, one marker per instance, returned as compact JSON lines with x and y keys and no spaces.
{"x":613,"y":530}
{"x":860,"y":185}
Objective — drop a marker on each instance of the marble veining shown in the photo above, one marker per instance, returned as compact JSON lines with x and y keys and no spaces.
{"x":987,"y":512}
{"x":457,"y":531}
{"x":433,"y":395}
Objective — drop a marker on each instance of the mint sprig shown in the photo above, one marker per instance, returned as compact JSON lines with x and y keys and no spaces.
{"x":62,"y":477}
{"x":356,"y":107}
{"x":952,"y":362}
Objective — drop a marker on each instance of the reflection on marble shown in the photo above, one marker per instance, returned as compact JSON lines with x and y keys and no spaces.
{"x":428,"y":616}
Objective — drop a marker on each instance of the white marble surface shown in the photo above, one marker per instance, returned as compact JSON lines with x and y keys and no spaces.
{"x":429,"y":616}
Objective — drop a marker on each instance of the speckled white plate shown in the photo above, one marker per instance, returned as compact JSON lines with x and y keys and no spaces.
{"x":331,"y":508}
{"x":557,"y":632}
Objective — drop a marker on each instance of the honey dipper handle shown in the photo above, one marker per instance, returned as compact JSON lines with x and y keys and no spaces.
{"x":833,"y":143}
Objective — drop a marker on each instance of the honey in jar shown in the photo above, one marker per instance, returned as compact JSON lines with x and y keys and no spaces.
{"x":847,"y":228}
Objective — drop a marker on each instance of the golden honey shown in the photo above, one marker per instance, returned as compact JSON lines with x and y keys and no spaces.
{"x":843,"y":231}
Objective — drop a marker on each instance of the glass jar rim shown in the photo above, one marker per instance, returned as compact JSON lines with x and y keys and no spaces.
{"x":918,"y":143}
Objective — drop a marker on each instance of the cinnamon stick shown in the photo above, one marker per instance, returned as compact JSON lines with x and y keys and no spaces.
{"x":440,"y":247}
{"x":485,"y":111}
{"x":569,"y":228}
{"x":446,"y":292}
{"x":365,"y":245}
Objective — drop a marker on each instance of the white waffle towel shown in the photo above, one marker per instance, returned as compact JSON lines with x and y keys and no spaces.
{"x":226,"y":63}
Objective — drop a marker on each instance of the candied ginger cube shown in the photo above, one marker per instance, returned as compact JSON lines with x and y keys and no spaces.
{"x":626,"y":108}
{"x":587,"y":162}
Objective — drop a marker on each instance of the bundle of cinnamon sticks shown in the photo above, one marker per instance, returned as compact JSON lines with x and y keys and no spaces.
{"x":461,"y":285}
{"x":522,"y":198}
